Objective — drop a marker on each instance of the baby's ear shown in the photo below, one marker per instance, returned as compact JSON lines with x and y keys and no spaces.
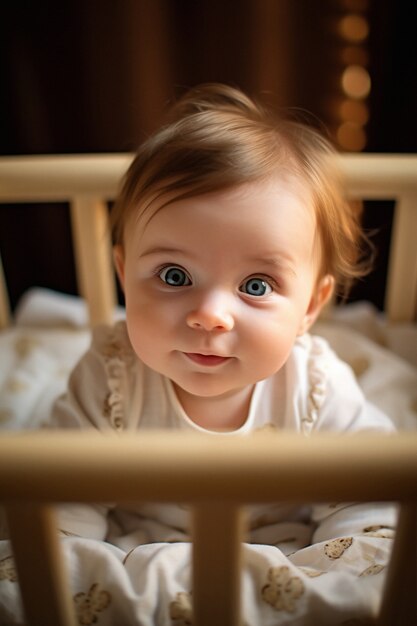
{"x":320,"y":296}
{"x":119,"y":262}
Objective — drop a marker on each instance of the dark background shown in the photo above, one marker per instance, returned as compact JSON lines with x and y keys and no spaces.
{"x":86,"y":76}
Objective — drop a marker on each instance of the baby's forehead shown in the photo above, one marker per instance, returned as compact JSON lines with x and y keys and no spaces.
{"x":259,"y":215}
{"x":276,"y":185}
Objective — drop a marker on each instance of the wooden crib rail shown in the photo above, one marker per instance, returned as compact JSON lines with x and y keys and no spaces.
{"x":58,"y":178}
{"x":176,"y":466}
{"x":207,"y":473}
{"x":86,"y":182}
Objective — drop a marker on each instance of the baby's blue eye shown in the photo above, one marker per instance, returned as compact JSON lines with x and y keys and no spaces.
{"x":174,"y":276}
{"x":256,"y":287}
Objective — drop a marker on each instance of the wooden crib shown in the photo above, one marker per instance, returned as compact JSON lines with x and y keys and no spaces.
{"x":217,"y":480}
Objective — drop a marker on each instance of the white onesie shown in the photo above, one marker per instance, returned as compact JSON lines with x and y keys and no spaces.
{"x":111,"y":389}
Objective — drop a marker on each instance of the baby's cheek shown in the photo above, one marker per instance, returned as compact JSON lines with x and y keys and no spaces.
{"x":271,"y":348}
{"x":141,"y":329}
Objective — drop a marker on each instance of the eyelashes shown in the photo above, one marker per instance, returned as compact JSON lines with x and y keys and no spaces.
{"x":255,"y":286}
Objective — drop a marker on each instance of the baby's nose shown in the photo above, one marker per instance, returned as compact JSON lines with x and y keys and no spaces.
{"x":213,"y":312}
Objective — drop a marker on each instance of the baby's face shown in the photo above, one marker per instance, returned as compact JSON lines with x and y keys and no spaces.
{"x":219,"y":286}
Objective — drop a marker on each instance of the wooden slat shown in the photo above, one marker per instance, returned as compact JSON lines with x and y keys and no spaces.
{"x":89,"y":217}
{"x":218,"y":533}
{"x":39,"y":564}
{"x":5,"y":316}
{"x":399,"y":601}
{"x":401,"y":298}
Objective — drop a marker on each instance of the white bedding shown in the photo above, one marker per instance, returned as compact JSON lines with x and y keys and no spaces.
{"x":328,"y":583}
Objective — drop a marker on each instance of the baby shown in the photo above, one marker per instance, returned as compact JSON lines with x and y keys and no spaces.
{"x":231,"y":233}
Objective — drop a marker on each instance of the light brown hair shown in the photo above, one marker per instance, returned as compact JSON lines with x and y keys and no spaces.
{"x":215,"y":138}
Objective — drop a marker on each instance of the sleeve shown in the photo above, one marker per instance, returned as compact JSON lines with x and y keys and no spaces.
{"x":95,"y":399}
{"x":345,"y":409}
{"x":97,"y":392}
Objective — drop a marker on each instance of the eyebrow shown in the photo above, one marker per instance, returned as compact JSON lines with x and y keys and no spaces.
{"x":161,"y":250}
{"x":277,"y":262}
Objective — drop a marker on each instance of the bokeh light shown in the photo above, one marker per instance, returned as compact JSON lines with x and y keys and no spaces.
{"x":356,"y":81}
{"x":351,"y":136}
{"x":354,"y":28}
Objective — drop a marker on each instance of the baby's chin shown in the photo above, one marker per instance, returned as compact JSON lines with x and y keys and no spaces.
{"x":210,"y":392}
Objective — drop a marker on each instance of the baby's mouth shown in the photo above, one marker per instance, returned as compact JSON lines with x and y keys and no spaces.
{"x":210,"y":360}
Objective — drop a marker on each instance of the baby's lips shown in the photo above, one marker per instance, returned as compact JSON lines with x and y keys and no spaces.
{"x":206,"y":359}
